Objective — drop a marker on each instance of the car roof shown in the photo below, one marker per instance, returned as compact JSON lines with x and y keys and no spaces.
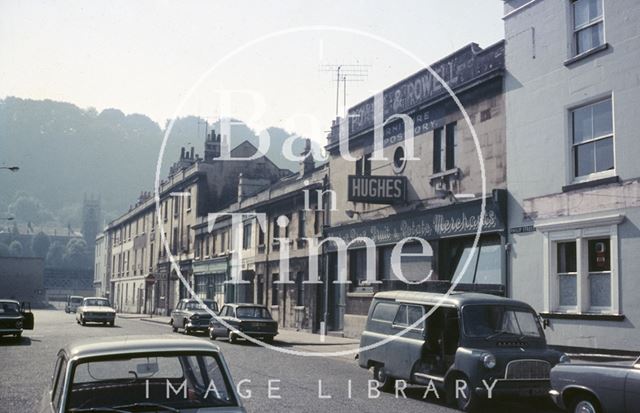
{"x":96,"y":298}
{"x":246,"y":305}
{"x":2,"y":300}
{"x":457,"y":299}
{"x":188,"y":300}
{"x":105,"y":346}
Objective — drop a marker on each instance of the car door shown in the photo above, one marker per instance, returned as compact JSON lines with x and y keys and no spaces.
{"x":218,"y":328}
{"x":27,"y":321}
{"x":632,"y":388}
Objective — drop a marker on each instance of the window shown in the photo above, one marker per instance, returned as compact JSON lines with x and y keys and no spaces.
{"x":588,"y":25}
{"x":206,"y":246}
{"x":444,"y":145}
{"x":260,"y":235}
{"x":385,"y":312}
{"x":246,"y":236}
{"x":583,"y":276}
{"x":213,"y":237}
{"x":189,"y":200}
{"x":408,"y":315}
{"x":274,"y":289}
{"x":59,"y":382}
{"x":363,"y":165}
{"x":300,"y":289}
{"x":593,"y":138}
{"x":276,"y":229}
{"x":302,"y":223}
{"x":317,"y":227}
{"x":399,"y":161}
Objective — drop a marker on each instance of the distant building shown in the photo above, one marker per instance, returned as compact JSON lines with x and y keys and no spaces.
{"x":21,"y":279}
{"x":572,"y":98}
{"x":141,"y":275}
{"x":100,"y":274}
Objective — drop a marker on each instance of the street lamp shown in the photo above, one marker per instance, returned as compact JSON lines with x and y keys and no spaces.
{"x":11,"y":168}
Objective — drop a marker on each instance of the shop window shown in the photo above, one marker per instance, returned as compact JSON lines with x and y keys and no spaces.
{"x":358,"y":269}
{"x":588,"y":25}
{"x":592,"y":127}
{"x":484,"y":262}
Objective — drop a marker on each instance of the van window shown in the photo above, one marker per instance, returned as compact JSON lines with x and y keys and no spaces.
{"x":408,"y":315}
{"x":384,"y":312}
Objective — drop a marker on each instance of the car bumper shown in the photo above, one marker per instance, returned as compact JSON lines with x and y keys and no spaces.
{"x":4,"y":331}
{"x":557,"y":399}
{"x":100,"y":318}
{"x":522,"y":388}
{"x":197,"y":326}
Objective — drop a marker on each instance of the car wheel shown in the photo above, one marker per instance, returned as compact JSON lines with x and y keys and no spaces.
{"x":211,"y":335}
{"x":386,"y":383}
{"x":112,"y":323}
{"x":585,"y":403}
{"x":173,"y":327}
{"x":268,"y":340}
{"x":18,"y":335}
{"x":466,"y":399}
{"x":232,"y":337}
{"x":186,"y":329}
{"x":84,"y":323}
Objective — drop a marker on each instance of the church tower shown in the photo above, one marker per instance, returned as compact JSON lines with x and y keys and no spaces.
{"x":212,"y":146}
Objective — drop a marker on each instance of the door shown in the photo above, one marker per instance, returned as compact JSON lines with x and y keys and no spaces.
{"x":632,"y":388}
{"x":27,"y":322}
{"x":407,"y":347}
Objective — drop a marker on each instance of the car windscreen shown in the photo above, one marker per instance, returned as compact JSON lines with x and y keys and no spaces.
{"x":179,"y":380}
{"x":194,"y":305}
{"x":494,"y":320}
{"x":9,"y":308}
{"x":96,"y":303}
{"x":252,"y":312}
{"x":76,"y":300}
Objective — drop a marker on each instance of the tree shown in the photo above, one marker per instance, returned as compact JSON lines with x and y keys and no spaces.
{"x":54,"y":255}
{"x":76,"y":254}
{"x":4,"y":250}
{"x":40,"y":244}
{"x":15,"y":249}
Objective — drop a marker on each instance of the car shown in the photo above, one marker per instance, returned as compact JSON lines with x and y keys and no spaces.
{"x":472,"y":346}
{"x":141,"y":373}
{"x":250,"y":319}
{"x":612,"y":387}
{"x":15,"y":318}
{"x":95,"y":310}
{"x":192,"y":316}
{"x":73,"y":302}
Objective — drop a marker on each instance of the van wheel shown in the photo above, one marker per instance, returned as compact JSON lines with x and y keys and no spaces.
{"x":386,"y":383}
{"x":464,"y":399}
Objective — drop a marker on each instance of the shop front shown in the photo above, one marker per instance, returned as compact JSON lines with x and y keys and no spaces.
{"x":447,"y":257}
{"x":209,"y":279}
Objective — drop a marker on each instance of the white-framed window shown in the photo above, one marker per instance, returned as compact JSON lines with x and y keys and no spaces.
{"x":581,"y":267}
{"x":588,"y":25}
{"x":593,"y":139}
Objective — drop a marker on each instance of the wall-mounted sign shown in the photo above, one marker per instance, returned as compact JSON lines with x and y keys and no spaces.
{"x":521,"y":230}
{"x":377,"y":189}
{"x":459,"y":69}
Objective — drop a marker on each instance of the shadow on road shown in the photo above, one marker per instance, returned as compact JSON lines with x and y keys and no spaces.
{"x":16,"y":341}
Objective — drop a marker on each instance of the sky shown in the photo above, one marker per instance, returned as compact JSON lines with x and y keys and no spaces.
{"x":265,"y":62}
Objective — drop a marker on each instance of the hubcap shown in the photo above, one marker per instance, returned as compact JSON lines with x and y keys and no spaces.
{"x":585,"y":407}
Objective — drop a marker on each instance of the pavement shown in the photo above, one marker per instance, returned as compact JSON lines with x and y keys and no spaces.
{"x":268,"y":380}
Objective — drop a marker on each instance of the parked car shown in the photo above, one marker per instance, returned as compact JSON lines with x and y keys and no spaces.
{"x":15,"y":318}
{"x":468,"y":338}
{"x":192,"y":316}
{"x":95,"y":310}
{"x":73,"y":302}
{"x":251,"y":319}
{"x":138,"y":373}
{"x":597,"y":387}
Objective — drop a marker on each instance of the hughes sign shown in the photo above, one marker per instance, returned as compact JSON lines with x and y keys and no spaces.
{"x":377,"y":189}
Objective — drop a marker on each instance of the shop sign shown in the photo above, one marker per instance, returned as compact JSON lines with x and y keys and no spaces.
{"x":377,"y":189}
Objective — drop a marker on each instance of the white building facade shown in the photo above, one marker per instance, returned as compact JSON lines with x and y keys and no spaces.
{"x":572,"y":96}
